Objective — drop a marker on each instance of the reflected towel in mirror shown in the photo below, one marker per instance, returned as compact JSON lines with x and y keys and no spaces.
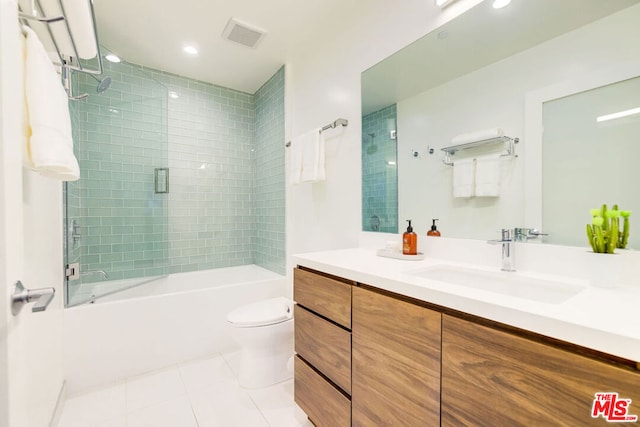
{"x":488,"y":176}
{"x":464,"y":178}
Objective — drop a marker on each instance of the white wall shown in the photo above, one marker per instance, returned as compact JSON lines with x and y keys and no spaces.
{"x":494,"y":96}
{"x":31,"y":374}
{"x":10,"y":198}
{"x":323,"y":84}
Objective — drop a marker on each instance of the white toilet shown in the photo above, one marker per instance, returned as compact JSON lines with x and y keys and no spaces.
{"x":264,"y":331}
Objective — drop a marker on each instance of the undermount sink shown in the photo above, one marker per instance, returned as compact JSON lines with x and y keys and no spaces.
{"x":503,"y":282}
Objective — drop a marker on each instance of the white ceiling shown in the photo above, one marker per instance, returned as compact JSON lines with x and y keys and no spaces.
{"x":152,"y":33}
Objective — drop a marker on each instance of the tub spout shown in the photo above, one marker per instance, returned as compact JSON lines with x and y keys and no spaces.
{"x":103,"y":273}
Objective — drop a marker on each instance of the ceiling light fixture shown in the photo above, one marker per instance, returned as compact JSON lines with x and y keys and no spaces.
{"x":619,"y":115}
{"x":112,"y":58}
{"x":444,"y":3}
{"x":191,"y":50}
{"x":499,"y":4}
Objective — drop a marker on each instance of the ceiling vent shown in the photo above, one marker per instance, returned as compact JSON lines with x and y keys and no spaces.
{"x":240,"y":32}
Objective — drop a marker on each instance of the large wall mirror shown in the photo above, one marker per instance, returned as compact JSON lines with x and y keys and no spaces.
{"x":478,"y":72}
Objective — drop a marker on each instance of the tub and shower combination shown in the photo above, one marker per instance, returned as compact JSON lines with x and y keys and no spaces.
{"x":177,"y":176}
{"x":171,"y":319}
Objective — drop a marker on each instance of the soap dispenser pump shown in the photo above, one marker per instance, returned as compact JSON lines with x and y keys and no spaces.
{"x":434,"y":230}
{"x":409,"y":241}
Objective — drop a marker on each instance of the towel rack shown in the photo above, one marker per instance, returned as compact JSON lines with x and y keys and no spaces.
{"x":334,"y":124}
{"x":453,"y":149}
{"x":67,"y":63}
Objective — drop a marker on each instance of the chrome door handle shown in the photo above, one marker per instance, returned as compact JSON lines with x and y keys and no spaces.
{"x":21,"y":296}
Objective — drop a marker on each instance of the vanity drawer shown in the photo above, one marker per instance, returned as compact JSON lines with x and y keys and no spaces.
{"x":326,"y":296}
{"x":321,"y":401}
{"x":325,"y":346}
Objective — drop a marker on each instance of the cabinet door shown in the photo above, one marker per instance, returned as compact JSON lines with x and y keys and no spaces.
{"x":395,"y":362}
{"x":324,"y":346}
{"x":493,"y":378}
{"x":323,"y":403}
{"x":326,"y":296}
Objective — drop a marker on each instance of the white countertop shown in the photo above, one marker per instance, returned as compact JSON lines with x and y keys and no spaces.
{"x":603,"y":319}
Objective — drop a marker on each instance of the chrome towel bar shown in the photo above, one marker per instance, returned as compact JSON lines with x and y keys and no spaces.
{"x":335,"y":124}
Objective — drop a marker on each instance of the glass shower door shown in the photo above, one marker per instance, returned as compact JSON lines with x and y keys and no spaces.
{"x":116,"y":222}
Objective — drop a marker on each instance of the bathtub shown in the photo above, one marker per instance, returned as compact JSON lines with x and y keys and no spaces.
{"x":168,"y":320}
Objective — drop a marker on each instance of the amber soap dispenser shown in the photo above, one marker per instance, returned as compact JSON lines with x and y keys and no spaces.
{"x":409,"y":241}
{"x":434,"y":230}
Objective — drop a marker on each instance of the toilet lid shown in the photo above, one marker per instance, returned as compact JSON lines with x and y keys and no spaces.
{"x":262,"y":313}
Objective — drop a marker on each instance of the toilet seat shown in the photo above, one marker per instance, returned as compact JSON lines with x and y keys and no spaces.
{"x":262,"y":313}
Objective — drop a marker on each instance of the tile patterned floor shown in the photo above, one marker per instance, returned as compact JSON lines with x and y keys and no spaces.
{"x":201,"y":393}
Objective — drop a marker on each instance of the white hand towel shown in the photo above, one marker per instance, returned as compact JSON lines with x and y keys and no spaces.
{"x":307,"y":157}
{"x":464,"y":178}
{"x":78,"y":16}
{"x":488,"y":176}
{"x":49,"y":139}
{"x":313,"y":156}
{"x":481,"y":135}
{"x":295,"y":161}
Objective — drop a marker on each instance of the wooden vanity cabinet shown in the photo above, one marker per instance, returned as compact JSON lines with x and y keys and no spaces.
{"x":367,"y":357}
{"x":496,"y":378}
{"x":396,"y":362}
{"x":322,"y":377}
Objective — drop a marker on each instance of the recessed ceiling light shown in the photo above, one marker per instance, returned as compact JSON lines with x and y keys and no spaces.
{"x":191,"y":50}
{"x":499,"y":4}
{"x":173,"y":94}
{"x":112,"y":58}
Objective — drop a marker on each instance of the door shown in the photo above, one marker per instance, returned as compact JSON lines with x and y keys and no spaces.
{"x":31,"y":373}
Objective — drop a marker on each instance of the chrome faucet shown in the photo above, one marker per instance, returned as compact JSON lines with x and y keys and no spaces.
{"x":526,"y":234}
{"x":508,"y":255}
{"x":103,"y":273}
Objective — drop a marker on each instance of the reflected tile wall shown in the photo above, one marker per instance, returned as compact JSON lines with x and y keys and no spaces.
{"x":379,"y":177}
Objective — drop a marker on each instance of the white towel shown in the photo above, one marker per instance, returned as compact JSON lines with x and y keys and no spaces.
{"x":78,"y":16}
{"x":313,"y":157}
{"x":488,"y":176}
{"x":464,"y":178}
{"x":481,"y":135}
{"x":307,"y":157}
{"x":49,"y":139}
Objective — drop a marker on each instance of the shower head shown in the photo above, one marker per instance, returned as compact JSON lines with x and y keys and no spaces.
{"x":103,"y":84}
{"x":373,"y":147}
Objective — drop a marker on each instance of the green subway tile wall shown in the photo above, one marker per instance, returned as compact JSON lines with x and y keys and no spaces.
{"x":121,"y":138}
{"x":269,"y":181}
{"x":379,"y":177}
{"x":225,"y":154}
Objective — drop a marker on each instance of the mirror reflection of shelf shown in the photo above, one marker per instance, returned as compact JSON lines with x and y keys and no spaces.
{"x":509,"y":146}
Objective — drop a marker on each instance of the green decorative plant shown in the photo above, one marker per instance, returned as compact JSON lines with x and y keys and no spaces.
{"x":623,"y":237}
{"x":604,"y":231}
